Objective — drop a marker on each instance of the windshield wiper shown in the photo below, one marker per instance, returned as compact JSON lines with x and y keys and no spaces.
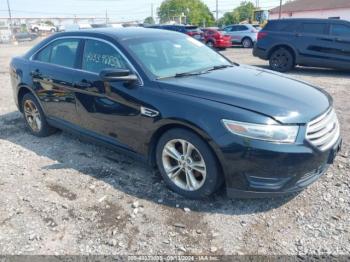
{"x":219,"y":67}
{"x":189,"y":74}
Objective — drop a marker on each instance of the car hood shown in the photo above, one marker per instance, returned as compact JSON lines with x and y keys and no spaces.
{"x":286,"y":100}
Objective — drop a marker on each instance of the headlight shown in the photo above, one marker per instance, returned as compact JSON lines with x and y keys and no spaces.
{"x":271,"y":133}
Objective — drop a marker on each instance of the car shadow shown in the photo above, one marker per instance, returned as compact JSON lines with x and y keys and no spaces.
{"x":125,"y":174}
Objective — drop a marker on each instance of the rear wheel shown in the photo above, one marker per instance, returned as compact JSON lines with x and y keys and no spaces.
{"x":210,"y":44}
{"x":281,"y":60}
{"x":34,"y":117}
{"x":187,"y":164}
{"x":247,"y":42}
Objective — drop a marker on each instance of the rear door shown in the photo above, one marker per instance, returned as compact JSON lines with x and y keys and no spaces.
{"x":241,"y":32}
{"x":52,"y":71}
{"x":341,"y":36}
{"x":313,"y":42}
{"x":233,"y":32}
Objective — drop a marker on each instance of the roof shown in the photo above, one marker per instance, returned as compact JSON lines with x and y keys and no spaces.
{"x":118,"y":33}
{"x":311,"y":5}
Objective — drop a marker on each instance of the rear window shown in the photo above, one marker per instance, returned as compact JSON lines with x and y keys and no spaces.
{"x":314,"y":28}
{"x":286,"y":26}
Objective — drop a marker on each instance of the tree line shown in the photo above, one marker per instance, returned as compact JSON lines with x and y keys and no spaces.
{"x":196,"y":12}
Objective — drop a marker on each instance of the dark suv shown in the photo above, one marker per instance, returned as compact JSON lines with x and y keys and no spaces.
{"x":308,"y":42}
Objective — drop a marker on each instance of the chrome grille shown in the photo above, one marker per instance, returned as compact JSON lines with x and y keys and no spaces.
{"x":324,"y":131}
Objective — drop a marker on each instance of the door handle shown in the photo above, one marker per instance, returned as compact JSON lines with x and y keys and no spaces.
{"x":326,"y":39}
{"x":83,"y":84}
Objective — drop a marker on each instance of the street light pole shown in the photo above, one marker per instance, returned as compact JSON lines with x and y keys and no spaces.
{"x":217,"y":10}
{"x":280,"y":11}
{"x":10,"y":16}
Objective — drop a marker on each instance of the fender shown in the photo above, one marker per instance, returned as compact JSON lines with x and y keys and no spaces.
{"x":24,"y":86}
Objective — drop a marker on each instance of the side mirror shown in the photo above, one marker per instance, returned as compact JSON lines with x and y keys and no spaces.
{"x":114,"y":75}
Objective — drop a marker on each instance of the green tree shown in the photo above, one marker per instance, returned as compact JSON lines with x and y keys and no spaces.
{"x":191,"y":11}
{"x":245,"y":11}
{"x":149,"y":20}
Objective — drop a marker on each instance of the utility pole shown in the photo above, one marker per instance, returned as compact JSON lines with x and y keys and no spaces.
{"x":10,"y":16}
{"x":217,"y":10}
{"x":152,"y":10}
{"x":106,"y":17}
{"x":280,"y":11}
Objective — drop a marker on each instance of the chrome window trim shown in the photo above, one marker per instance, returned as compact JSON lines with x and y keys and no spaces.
{"x":31,"y":58}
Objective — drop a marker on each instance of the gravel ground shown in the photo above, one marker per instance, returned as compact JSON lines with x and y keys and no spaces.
{"x":62,"y":195}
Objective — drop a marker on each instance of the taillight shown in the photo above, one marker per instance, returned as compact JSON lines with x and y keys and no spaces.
{"x":218,"y":35}
{"x":262,"y":35}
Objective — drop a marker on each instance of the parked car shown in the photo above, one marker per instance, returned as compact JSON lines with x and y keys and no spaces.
{"x":25,"y":36}
{"x":216,"y":39}
{"x":308,"y":42}
{"x":190,"y":30}
{"x":172,"y":101}
{"x":245,"y":35}
{"x":43,"y":27}
{"x":74,"y":27}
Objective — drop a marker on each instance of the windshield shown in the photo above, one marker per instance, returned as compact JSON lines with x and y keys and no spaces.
{"x":174,"y":56}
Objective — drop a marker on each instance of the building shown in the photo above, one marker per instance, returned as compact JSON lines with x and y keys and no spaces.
{"x":338,"y":9}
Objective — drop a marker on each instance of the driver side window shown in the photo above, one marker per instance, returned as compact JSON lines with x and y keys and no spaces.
{"x":99,"y":55}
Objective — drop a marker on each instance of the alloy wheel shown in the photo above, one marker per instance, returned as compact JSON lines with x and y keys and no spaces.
{"x":184,"y":164}
{"x":32,"y":115}
{"x":247,"y":43}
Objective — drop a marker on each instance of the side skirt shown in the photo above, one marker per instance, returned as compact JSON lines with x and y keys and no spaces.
{"x":95,"y":138}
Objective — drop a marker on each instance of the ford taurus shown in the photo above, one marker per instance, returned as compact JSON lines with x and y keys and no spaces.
{"x":204,"y":121}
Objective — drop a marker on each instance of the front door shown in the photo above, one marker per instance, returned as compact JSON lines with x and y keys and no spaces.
{"x":110,"y":109}
{"x":341,"y":36}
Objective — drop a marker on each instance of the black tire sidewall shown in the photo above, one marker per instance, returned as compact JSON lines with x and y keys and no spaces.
{"x":250,"y":42}
{"x":213,"y":176}
{"x":290,"y":64}
{"x":46,"y":130}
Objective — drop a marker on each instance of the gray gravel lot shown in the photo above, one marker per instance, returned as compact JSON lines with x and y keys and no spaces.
{"x":63,"y":195}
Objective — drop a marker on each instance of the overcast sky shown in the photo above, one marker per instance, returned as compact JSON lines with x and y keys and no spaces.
{"x":118,"y":10}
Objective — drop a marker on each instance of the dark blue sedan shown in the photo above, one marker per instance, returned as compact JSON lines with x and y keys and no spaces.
{"x":166,"y":98}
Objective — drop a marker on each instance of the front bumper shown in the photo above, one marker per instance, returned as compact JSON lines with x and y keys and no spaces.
{"x":261,"y":169}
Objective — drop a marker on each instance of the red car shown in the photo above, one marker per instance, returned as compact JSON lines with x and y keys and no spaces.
{"x":216,"y":39}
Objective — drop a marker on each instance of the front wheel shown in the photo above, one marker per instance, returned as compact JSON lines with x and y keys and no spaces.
{"x":187,"y":164}
{"x":281,"y":60}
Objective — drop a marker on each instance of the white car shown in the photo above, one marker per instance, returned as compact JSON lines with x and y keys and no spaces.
{"x":43,"y":28}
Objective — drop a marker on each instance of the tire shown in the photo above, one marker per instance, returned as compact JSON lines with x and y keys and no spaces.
{"x":210,"y":44}
{"x":247,"y":42}
{"x":205,"y":181}
{"x":36,"y":30}
{"x":53,"y":30}
{"x":31,"y":110}
{"x":281,"y":60}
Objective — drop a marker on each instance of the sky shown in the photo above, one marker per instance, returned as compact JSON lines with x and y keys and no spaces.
{"x":117,"y":10}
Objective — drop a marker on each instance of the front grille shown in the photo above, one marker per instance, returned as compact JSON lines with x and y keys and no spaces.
{"x":324,"y":131}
